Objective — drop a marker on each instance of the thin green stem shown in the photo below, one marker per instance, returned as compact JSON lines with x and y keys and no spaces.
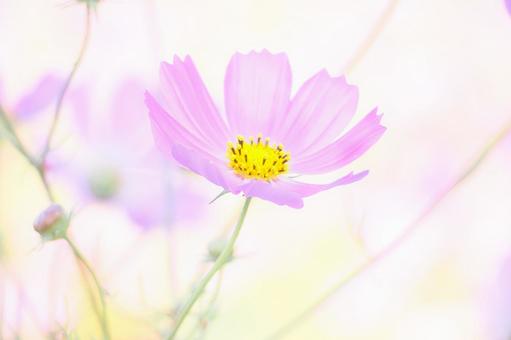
{"x":39,"y":165}
{"x":13,"y":137}
{"x":205,"y":317}
{"x":41,"y":170}
{"x":396,"y":243}
{"x":18,"y":145}
{"x":219,"y":263}
{"x":67,"y":83}
{"x":42,"y":175}
{"x":90,"y":292}
{"x":101,"y":315}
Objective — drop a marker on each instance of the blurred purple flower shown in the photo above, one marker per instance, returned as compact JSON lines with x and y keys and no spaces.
{"x":42,"y":95}
{"x":496,"y":303}
{"x":117,"y":162}
{"x":508,"y":6}
{"x":268,"y":135}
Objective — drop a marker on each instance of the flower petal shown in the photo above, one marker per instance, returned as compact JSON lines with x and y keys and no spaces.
{"x":318,"y":114}
{"x":308,"y":189}
{"x":127,"y":115}
{"x":257,"y":92}
{"x":291,"y":193}
{"x":188,"y":101}
{"x":215,"y":172}
{"x":343,"y":151}
{"x":40,"y":97}
{"x":148,"y":197}
{"x":168,"y":132}
{"x":274,"y":193}
{"x":153,"y":194}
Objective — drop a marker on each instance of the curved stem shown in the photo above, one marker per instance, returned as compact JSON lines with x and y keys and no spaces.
{"x":65,"y":88}
{"x":13,"y":137}
{"x":219,"y":263}
{"x":16,"y":142}
{"x":39,"y":165}
{"x":42,"y":175}
{"x":396,"y":243}
{"x":372,"y":36}
{"x":102,"y":316}
{"x":205,"y":316}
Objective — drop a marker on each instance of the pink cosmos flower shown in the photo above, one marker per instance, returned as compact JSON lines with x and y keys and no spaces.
{"x":265,"y":135}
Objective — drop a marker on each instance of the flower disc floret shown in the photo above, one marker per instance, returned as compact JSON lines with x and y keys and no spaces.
{"x":257,"y":159}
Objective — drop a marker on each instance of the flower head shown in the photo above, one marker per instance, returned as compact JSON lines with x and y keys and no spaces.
{"x":265,"y":135}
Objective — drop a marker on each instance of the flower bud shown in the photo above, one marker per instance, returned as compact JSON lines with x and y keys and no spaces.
{"x":52,"y":223}
{"x":216,"y":248}
{"x":104,"y":183}
{"x":90,"y":2}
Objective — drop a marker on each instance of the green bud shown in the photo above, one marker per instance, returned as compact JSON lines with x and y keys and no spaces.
{"x":216,"y":247}
{"x":90,"y":2}
{"x":104,"y":184}
{"x":52,"y":223}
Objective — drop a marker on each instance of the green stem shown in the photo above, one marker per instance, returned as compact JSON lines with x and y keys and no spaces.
{"x":67,"y":84}
{"x":42,"y":175}
{"x":16,"y":142}
{"x":205,"y":316}
{"x":219,"y":263}
{"x":39,"y":165}
{"x":102,"y":316}
{"x":13,"y":137}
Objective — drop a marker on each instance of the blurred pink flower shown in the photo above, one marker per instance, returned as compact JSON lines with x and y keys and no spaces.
{"x":117,"y":162}
{"x":268,"y":135}
{"x":43,"y":94}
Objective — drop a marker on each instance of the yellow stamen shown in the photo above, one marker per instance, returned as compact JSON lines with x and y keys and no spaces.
{"x":257,"y":159}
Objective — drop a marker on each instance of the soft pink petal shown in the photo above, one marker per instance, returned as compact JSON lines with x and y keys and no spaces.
{"x":168,"y":132}
{"x":188,"y":101}
{"x":274,"y":193}
{"x":308,"y":189}
{"x":153,"y":197}
{"x":343,"y":151}
{"x":215,"y":172}
{"x":318,"y":114}
{"x":257,"y":91}
{"x":79,"y":101}
{"x":128,"y":116}
{"x":190,"y":205}
{"x":40,"y":97}
{"x":291,"y":193}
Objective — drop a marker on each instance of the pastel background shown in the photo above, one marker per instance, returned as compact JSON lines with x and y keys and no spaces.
{"x":438,"y":70}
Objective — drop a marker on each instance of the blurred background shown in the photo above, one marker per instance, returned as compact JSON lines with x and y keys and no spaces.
{"x":438,"y":70}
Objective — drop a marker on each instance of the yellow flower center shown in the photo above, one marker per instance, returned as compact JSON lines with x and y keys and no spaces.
{"x":257,"y":159}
